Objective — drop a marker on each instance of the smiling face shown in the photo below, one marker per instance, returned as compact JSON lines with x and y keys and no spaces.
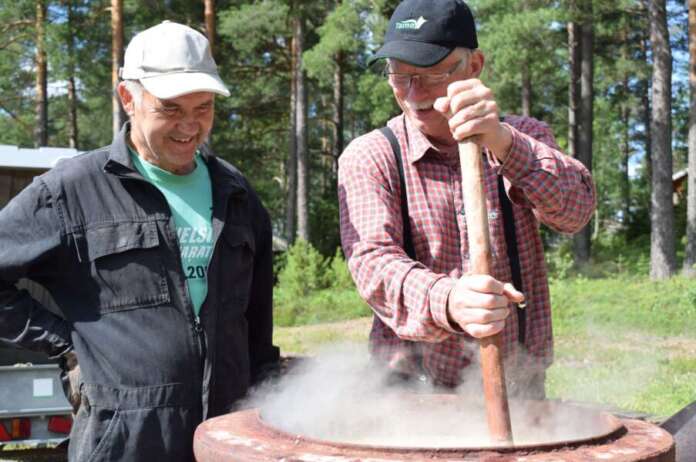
{"x":417,"y":99}
{"x":167,"y":133}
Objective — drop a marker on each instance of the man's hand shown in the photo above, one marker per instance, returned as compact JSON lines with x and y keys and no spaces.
{"x":70,"y":376}
{"x":473,"y":114}
{"x":478,"y":304}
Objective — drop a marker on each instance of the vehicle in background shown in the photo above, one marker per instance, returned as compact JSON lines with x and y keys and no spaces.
{"x":34,"y":412}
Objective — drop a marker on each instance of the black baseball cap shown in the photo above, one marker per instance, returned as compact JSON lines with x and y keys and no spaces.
{"x":423,"y":32}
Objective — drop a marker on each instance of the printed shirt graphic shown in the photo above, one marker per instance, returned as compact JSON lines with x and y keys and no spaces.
{"x":190,"y":200}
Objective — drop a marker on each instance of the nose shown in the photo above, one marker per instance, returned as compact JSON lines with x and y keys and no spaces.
{"x":188,"y":125}
{"x":416,"y":88}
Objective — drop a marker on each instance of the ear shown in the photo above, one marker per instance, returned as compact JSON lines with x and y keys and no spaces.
{"x":126,"y":99}
{"x":477,"y":61}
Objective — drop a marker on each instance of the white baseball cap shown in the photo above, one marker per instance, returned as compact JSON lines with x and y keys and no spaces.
{"x":171,"y":60}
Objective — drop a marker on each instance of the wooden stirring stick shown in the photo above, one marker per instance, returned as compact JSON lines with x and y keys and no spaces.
{"x":476,"y":211}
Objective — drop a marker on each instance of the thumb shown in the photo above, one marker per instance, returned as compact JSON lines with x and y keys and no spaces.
{"x":512,"y":294}
{"x":442,"y":105}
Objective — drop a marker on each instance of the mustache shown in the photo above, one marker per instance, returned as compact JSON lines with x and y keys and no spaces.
{"x":420,"y":105}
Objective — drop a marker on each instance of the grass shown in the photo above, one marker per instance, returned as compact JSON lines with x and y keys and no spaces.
{"x":626,"y":342}
{"x":623,"y":342}
{"x":320,"y":306}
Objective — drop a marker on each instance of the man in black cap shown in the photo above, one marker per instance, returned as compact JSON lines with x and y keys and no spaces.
{"x":402,"y":222}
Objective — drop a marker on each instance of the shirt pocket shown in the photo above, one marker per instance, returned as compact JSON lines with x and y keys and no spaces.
{"x":126,"y":265}
{"x":237,"y":264}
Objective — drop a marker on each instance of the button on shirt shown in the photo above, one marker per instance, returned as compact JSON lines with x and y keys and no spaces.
{"x":409,"y":298}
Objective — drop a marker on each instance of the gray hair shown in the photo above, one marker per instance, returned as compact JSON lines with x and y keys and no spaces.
{"x":135,"y":88}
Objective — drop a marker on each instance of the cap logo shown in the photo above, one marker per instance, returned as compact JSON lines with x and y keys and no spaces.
{"x":411,"y":24}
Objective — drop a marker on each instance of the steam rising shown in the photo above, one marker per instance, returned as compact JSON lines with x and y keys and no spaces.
{"x":340,"y":396}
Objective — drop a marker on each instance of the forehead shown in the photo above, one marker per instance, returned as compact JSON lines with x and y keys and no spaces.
{"x":443,"y":66}
{"x":190,"y":100}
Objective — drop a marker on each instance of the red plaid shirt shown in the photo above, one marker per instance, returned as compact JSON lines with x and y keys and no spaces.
{"x":408,"y":297}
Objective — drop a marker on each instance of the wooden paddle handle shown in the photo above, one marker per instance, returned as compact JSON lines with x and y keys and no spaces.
{"x":476,"y":211}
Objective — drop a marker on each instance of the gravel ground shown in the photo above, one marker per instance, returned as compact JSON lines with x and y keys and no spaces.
{"x":34,"y":455}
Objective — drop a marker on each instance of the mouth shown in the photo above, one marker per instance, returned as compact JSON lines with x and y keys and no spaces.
{"x":182,"y":140}
{"x":423,"y":107}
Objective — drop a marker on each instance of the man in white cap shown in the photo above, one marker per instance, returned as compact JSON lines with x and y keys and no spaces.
{"x":158,"y":254}
{"x":403,"y":227}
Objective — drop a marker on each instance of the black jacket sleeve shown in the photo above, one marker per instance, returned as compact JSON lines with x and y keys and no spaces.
{"x":30,"y":240}
{"x":264,"y":356}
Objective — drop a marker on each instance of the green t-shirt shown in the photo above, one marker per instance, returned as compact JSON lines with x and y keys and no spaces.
{"x":191,"y":202}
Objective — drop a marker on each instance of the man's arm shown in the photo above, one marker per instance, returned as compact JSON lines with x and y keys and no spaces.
{"x":30,"y":236}
{"x":408,"y":297}
{"x":557,"y":187}
{"x":264,"y":356}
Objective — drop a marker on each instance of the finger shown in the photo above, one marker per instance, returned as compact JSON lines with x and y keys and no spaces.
{"x":513,"y":294}
{"x":469,"y":97}
{"x":442,"y":104}
{"x":482,"y":283}
{"x":484,"y":330}
{"x":470,"y":299}
{"x":470,"y":129}
{"x":466,"y":316}
{"x":462,"y":86}
{"x":477,"y":110}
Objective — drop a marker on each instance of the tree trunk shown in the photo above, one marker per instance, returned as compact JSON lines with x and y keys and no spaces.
{"x":662,"y":245}
{"x":118,"y":116}
{"x":210,"y":23}
{"x":647,"y":113}
{"x":573,"y":87}
{"x":625,"y":114}
{"x":72,"y":91}
{"x":41,"y":128}
{"x":338,"y":141}
{"x":301,"y":136}
{"x":582,"y":240}
{"x":690,"y":251}
{"x":526,"y":90}
{"x":291,"y":168}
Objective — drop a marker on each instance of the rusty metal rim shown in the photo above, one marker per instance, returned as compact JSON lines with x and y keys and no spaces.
{"x":616,"y":431}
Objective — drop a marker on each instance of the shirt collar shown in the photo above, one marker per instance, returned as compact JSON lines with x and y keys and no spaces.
{"x":419,"y":144}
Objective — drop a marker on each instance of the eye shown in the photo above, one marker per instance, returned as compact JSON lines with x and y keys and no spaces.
{"x":400,"y":79}
{"x":169,"y":111}
{"x":434,"y":79}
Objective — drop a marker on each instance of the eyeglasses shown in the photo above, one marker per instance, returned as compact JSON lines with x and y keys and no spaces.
{"x":403,"y":81}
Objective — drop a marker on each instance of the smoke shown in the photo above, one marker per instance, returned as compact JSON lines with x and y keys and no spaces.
{"x":341,"y":396}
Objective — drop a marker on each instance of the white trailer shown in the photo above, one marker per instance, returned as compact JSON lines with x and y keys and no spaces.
{"x":34,"y":412}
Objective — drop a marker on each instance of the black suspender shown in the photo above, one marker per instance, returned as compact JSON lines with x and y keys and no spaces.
{"x":408,"y":240}
{"x":513,"y":255}
{"x":508,"y":225}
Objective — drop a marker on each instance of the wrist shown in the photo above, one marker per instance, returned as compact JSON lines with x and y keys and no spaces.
{"x":502,"y":143}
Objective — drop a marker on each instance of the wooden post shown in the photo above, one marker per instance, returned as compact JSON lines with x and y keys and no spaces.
{"x":495,"y":393}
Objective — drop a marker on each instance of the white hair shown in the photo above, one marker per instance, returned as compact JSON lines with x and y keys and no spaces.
{"x":135,"y":88}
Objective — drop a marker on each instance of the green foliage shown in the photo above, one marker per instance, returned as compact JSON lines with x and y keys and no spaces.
{"x":340,"y":34}
{"x":304,"y":271}
{"x":252,"y":126}
{"x":312,"y":289}
{"x":338,"y":270}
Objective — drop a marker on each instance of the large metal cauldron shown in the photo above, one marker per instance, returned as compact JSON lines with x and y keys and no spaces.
{"x":246,"y":436}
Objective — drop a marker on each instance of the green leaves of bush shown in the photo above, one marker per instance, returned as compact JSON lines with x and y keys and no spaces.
{"x":314,"y":289}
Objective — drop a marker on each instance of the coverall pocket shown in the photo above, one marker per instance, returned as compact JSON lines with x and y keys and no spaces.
{"x":239,"y":252}
{"x":94,"y":431}
{"x":126,"y":265}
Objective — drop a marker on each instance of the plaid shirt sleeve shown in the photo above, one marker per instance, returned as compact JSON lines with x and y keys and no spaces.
{"x":371,"y":235}
{"x":557,"y":187}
